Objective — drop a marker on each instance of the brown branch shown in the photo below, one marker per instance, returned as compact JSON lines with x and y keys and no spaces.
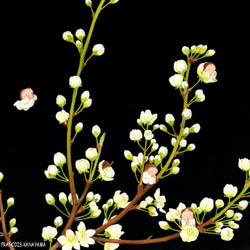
{"x":138,"y":242}
{"x":6,"y":235}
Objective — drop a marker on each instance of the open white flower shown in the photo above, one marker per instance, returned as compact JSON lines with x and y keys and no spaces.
{"x":84,"y":236}
{"x":227,"y":234}
{"x":106,"y":171}
{"x":110,"y":246}
{"x":121,"y":200}
{"x":189,"y":233}
{"x":114,"y":231}
{"x":147,"y":117}
{"x":159,"y":200}
{"x":69,"y":240}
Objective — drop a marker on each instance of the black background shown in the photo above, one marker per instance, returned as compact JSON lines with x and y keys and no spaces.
{"x":142,"y":40}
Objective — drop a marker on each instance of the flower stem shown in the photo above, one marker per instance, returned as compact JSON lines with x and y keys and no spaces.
{"x":239,"y":196}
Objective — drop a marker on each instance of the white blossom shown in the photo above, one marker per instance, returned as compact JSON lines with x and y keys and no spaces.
{"x":69,"y":240}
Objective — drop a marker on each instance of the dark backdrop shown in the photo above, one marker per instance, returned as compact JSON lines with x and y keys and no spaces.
{"x":142,"y":40}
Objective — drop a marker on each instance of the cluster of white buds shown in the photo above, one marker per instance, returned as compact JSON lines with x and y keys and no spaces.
{"x":55,"y":170}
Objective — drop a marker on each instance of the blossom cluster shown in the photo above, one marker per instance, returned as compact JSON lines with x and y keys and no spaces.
{"x":225,"y":219}
{"x":10,"y":202}
{"x":63,"y":116}
{"x":81,"y":237}
{"x":150,"y":204}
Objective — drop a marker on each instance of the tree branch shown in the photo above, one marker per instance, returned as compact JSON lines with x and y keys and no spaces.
{"x":6,"y":235}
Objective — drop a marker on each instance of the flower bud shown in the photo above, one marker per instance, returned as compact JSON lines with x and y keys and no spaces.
{"x":1,"y":176}
{"x":163,"y":151}
{"x":173,"y":141}
{"x":195,"y":128}
{"x":233,"y":225}
{"x":128,"y":155}
{"x":13,"y":230}
{"x":180,"y":67}
{"x":135,"y":135}
{"x":62,"y":116}
{"x":87,"y":104}
{"x":78,"y":127}
{"x":91,"y":153}
{"x":157,"y":160}
{"x":169,"y":118}
{"x":82,"y":166}
{"x":96,"y":131}
{"x":88,"y":3}
{"x":230,"y":191}
{"x":98,"y":50}
{"x":200,"y":97}
{"x":51,"y":172}
{"x":237,"y":216}
{"x":80,"y":34}
{"x":210,"y":52}
{"x":175,"y":163}
{"x":229,"y":213}
{"x":243,"y":205}
{"x":164,"y":225}
{"x":244,"y":164}
{"x":187,"y":114}
{"x":10,"y":202}
{"x":207,"y":204}
{"x":12,"y":222}
{"x":58,"y":221}
{"x":191,"y":147}
{"x":50,"y":199}
{"x":201,"y":49}
{"x":68,"y":36}
{"x":183,"y":143}
{"x":113,"y":1}
{"x":85,"y":96}
{"x":60,"y":100}
{"x":75,"y":82}
{"x":59,"y":159}
{"x":63,"y":198}
{"x":176,"y":80}
{"x":175,"y":170}
{"x":219,"y":203}
{"x":49,"y":233}
{"x":163,"y":128}
{"x":185,"y":50}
